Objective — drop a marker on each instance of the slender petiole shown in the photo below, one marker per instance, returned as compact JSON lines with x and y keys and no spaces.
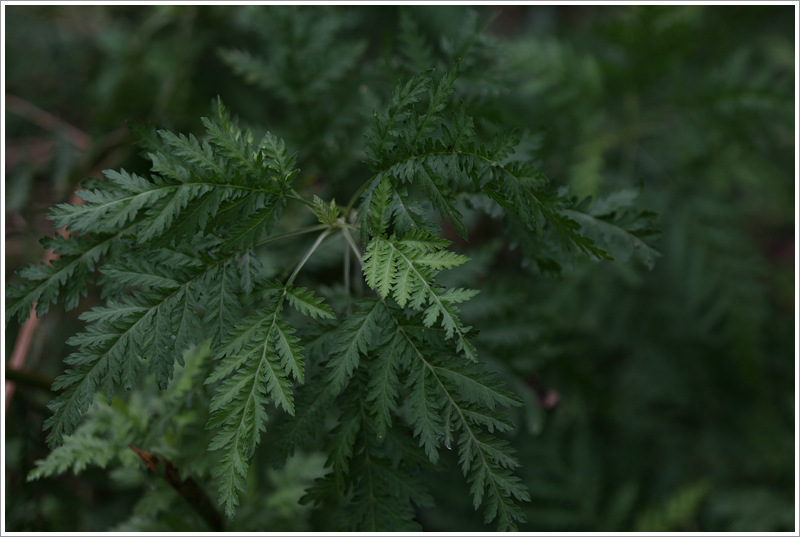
{"x":352,"y":244}
{"x":294,"y":195}
{"x":294,"y":233}
{"x":309,"y":253}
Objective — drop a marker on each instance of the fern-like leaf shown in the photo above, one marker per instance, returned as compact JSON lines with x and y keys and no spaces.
{"x":64,"y":279}
{"x":236,"y":145}
{"x":144,"y":325}
{"x":221,"y":284}
{"x":453,"y":399}
{"x":200,"y":156}
{"x":383,"y":387}
{"x":426,"y":409}
{"x":405,"y":268}
{"x":353,"y":339}
{"x":279,"y":161}
{"x":255,"y":365}
{"x":251,"y":229}
{"x":304,"y":301}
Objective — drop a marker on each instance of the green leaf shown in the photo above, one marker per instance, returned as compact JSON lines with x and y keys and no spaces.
{"x":255,"y":226}
{"x":288,"y":349}
{"x":255,"y":362}
{"x":378,"y":206}
{"x":477,"y":385}
{"x":383,"y":387}
{"x":65,"y":279}
{"x":236,"y":145}
{"x":451,"y":398}
{"x":327,"y":213}
{"x":201,"y":156}
{"x":426,"y":409}
{"x":304,"y":301}
{"x":220,"y":298}
{"x":406,"y":269}
{"x":352,"y":340}
{"x":279,"y":161}
{"x":163,"y":212}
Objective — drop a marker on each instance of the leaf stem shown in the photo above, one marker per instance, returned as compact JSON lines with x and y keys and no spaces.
{"x":351,"y":242}
{"x":188,"y":488}
{"x":301,"y":231}
{"x":295,"y":195}
{"x":24,"y":377}
{"x":309,"y":253}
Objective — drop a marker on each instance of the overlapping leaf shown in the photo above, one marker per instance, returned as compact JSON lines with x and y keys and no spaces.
{"x":257,"y":361}
{"x":405,"y":269}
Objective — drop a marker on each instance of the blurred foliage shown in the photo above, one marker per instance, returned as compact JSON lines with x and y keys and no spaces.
{"x":658,"y":400}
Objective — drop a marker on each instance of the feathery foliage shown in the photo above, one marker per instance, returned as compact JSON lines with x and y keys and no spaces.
{"x":171,"y":251}
{"x":378,"y":373}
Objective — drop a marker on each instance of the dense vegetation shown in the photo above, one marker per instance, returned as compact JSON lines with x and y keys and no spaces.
{"x":415,"y":268}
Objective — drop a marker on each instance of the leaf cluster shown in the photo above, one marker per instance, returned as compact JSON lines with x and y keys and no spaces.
{"x":379,"y":373}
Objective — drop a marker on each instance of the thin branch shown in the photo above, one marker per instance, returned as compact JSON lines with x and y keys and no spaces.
{"x":47,"y":121}
{"x":352,"y":244}
{"x":188,"y":488}
{"x":309,"y":253}
{"x":20,"y":353}
{"x":301,"y":231}
{"x":25,"y":337}
{"x":23,"y":377}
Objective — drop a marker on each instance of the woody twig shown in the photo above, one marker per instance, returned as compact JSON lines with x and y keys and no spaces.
{"x":187,"y":488}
